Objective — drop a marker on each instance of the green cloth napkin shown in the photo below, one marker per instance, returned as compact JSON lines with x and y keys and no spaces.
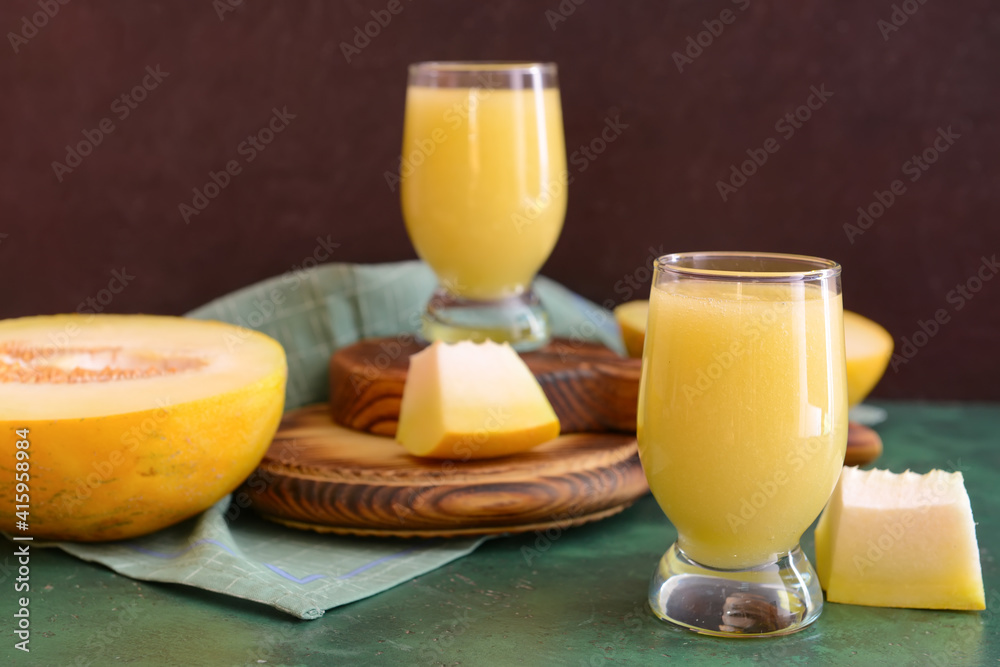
{"x":312,"y":313}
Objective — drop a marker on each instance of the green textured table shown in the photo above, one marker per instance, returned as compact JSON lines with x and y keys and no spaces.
{"x":572,"y":598}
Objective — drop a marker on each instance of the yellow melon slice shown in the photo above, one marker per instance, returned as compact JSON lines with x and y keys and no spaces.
{"x":908,"y":540}
{"x":869,"y":348}
{"x":631,"y":317}
{"x":133,"y":422}
{"x":471,"y":401}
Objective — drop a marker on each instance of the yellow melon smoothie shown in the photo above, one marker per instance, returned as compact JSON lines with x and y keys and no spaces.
{"x":742,"y":421}
{"x":483,"y":184}
{"x":483,"y":175}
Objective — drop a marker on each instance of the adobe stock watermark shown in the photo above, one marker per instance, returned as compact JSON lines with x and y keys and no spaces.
{"x":750,"y":333}
{"x":223,"y":7}
{"x":585,"y":154}
{"x":363,"y":35}
{"x":796,"y":459}
{"x":264,"y":309}
{"x":60,"y":342}
{"x":547,"y":537}
{"x":248,"y":149}
{"x":915,"y":167}
{"x":103,"y":471}
{"x":581,"y":158}
{"x":957,"y":298}
{"x":100,"y":644}
{"x":457,"y":626}
{"x":630,"y":284}
{"x":696,"y":44}
{"x":786,"y":126}
{"x":31,"y":25}
{"x":636,"y":282}
{"x":557,"y":524}
{"x":899,"y":16}
{"x":892,"y":532}
{"x":259,"y":481}
{"x":92,"y":305}
{"x":633,"y":622}
{"x":267,"y":646}
{"x":967,"y":637}
{"x":464,"y":450}
{"x":562,"y":12}
{"x":122,"y":107}
{"x":452,"y":118}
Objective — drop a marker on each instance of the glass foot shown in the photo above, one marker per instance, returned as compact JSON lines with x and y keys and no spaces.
{"x":519,"y":320}
{"x":773,"y":599}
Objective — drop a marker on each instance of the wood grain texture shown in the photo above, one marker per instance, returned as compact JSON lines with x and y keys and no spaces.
{"x":590,"y":387}
{"x":322,"y":476}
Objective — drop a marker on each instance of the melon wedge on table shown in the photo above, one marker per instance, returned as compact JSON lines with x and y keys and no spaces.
{"x":134,"y":422}
{"x":470,"y":401}
{"x":906,"y":540}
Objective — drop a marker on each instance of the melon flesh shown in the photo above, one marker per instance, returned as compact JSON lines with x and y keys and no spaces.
{"x":905,"y":540}
{"x":470,"y":401}
{"x":135,"y":422}
{"x":631,"y":317}
{"x":869,"y":348}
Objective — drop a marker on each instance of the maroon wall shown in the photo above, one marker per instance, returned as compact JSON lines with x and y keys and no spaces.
{"x":654,"y":186}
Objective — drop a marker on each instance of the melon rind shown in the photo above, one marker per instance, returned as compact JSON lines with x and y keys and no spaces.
{"x":187,"y":440}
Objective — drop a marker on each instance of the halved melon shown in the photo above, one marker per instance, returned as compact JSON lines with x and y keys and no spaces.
{"x":869,"y":348}
{"x":632,"y":316}
{"x":135,"y":422}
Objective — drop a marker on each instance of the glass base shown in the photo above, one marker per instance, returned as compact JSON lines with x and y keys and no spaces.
{"x":772,"y":599}
{"x":519,"y":320}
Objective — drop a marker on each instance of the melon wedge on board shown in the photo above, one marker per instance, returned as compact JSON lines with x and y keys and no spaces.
{"x":907,"y":540}
{"x":470,"y":401}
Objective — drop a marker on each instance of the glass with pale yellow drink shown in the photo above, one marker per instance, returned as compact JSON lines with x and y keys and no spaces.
{"x":484,"y":181}
{"x":742,"y":429}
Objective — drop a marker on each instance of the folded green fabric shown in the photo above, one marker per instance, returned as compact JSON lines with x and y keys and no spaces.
{"x":312,"y":313}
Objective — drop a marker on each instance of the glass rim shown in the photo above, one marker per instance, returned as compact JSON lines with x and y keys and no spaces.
{"x":821,"y":268}
{"x":479,"y":66}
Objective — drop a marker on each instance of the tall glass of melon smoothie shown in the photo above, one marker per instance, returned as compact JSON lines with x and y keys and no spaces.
{"x":483,"y":175}
{"x":742,"y":429}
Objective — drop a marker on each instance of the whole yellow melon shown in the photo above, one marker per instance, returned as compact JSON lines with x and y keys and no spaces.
{"x":132,"y":422}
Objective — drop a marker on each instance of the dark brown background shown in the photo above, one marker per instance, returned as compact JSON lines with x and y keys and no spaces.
{"x":654,"y":187}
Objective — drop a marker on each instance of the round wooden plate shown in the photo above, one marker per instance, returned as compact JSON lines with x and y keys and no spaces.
{"x":322,"y":476}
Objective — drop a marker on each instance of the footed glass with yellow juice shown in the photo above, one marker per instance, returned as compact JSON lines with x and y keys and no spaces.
{"x":484,"y":193}
{"x":742,"y":429}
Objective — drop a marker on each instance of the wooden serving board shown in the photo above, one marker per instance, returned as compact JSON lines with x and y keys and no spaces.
{"x":590,"y":388}
{"x":325,"y":477}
